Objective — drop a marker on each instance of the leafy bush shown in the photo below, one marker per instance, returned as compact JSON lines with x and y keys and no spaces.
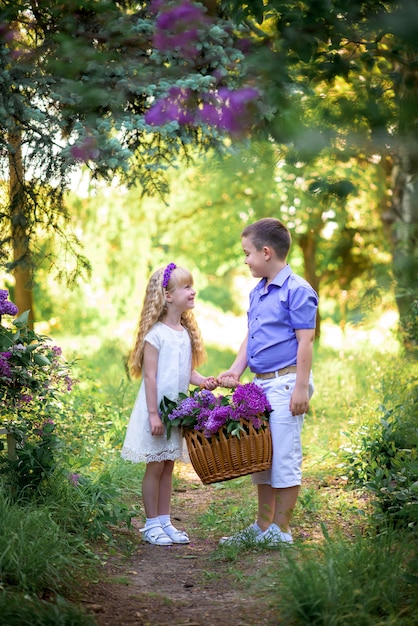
{"x":383,"y":455}
{"x":29,"y":471}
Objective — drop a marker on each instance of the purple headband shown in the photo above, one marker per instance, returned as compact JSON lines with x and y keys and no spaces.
{"x":167,"y":273}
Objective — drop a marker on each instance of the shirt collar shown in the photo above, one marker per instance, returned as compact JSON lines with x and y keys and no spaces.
{"x":278,"y":280}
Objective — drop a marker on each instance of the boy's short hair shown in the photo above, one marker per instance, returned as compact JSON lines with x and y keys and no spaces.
{"x":269,"y":231}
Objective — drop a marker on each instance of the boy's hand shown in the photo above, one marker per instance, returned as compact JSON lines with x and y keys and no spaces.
{"x":299,"y":402}
{"x":228,"y":380}
{"x":210,"y":383}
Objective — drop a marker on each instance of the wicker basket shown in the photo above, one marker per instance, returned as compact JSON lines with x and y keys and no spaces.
{"x":224,"y":457}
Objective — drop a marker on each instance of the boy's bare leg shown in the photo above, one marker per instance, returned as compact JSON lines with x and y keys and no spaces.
{"x":285,"y":503}
{"x":276,"y":505}
{"x":266,"y":503}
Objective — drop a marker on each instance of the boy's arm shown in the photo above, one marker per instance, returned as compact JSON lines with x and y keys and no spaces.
{"x":299,"y":402}
{"x":237,"y":367}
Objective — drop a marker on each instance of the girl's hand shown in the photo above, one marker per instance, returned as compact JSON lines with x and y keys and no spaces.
{"x":210,"y":383}
{"x":157,"y":427}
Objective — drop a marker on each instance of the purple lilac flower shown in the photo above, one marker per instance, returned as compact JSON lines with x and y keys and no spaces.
{"x":216,"y":420}
{"x":7,"y":307}
{"x":173,"y":108}
{"x":86,"y":150}
{"x":202,"y":418}
{"x":207,"y":398}
{"x":250,"y":400}
{"x":74,"y":479}
{"x":5,"y":369}
{"x":227,"y":109}
{"x":185,"y":408}
{"x":177,"y":29}
{"x":210,"y":114}
{"x":25,"y":398}
{"x":69,"y":382}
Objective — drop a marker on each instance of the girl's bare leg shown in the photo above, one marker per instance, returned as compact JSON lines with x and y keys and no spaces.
{"x":151,"y":488}
{"x":165,"y":489}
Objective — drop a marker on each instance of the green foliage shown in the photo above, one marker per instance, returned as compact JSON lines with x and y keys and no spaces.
{"x":17,"y":609}
{"x":94,"y":504}
{"x":362,"y":581}
{"x":32,"y":368}
{"x":383,"y":452}
{"x":36,"y":554}
{"x":29,"y":472}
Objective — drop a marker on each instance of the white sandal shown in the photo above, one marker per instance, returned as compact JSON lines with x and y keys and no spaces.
{"x":156,"y":536}
{"x":176,"y":536}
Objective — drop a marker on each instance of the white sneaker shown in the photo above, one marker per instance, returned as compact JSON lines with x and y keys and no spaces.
{"x":251,"y":534}
{"x":273,"y":536}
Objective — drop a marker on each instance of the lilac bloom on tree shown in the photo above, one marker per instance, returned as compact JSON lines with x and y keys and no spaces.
{"x":180,"y":31}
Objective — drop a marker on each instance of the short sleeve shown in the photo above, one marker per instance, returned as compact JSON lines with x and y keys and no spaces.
{"x":303,"y":305}
{"x":154,"y":338}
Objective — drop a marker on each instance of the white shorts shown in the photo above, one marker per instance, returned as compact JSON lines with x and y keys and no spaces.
{"x":286,"y":430}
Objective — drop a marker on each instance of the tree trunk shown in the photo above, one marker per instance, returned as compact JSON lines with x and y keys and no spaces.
{"x":308,"y":246}
{"x":403,"y":214}
{"x":404,"y":231}
{"x":22,"y":267}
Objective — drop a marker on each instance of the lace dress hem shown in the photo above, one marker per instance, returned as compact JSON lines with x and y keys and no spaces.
{"x":128,"y":454}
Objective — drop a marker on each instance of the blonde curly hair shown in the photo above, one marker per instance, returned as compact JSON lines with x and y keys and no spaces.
{"x":154,"y":309}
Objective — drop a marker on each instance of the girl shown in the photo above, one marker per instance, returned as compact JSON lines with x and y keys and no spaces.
{"x":167,"y":350}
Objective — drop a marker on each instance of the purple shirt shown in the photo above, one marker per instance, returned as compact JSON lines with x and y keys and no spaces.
{"x":289,"y":304}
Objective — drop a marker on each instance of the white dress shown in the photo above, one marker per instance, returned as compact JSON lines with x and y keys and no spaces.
{"x":173,"y":377}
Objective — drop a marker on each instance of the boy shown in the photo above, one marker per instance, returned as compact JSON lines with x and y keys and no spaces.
{"x":278,"y":350}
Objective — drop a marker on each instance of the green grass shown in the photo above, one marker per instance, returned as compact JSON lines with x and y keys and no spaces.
{"x":363,"y":581}
{"x":18,"y":609}
{"x":36,"y":554}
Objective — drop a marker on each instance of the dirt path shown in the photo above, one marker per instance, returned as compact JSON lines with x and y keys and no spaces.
{"x":180,"y":585}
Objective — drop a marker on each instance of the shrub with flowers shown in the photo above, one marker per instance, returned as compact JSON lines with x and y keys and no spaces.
{"x":204,"y":411}
{"x":33,"y":375}
{"x":31,"y":367}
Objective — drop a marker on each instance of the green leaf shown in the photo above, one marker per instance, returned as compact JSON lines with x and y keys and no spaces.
{"x":41,"y":360}
{"x":22,"y":320}
{"x":32,"y":347}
